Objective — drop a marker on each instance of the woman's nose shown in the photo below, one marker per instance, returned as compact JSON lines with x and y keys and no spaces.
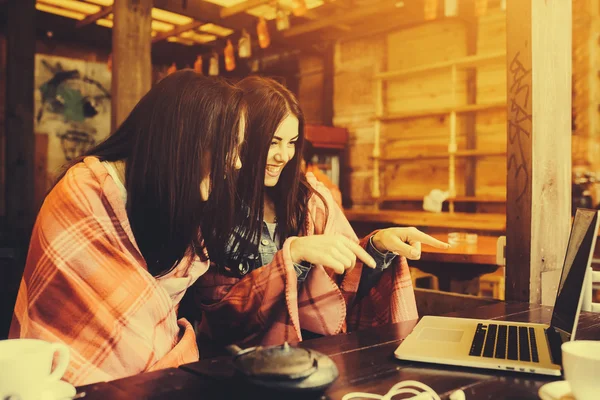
{"x":281,"y":156}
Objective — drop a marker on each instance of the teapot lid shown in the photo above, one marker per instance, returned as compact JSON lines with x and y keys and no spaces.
{"x":279,"y":362}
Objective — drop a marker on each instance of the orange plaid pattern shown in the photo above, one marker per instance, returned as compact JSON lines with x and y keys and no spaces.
{"x":86,"y":285}
{"x":268,"y":307}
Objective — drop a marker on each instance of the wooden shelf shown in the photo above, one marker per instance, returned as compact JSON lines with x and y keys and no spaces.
{"x":488,"y":222}
{"x":457,"y":199}
{"x":441,"y":111}
{"x":445,"y":155}
{"x":464,"y":62}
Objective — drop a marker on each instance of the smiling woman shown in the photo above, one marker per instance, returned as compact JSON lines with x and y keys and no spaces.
{"x":302,"y":272}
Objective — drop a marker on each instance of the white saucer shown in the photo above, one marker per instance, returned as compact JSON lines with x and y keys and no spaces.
{"x":58,"y":390}
{"x":558,"y":390}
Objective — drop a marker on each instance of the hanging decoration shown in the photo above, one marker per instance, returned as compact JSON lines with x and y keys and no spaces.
{"x":481,"y":7}
{"x":430,"y":9}
{"x":171,"y":69}
{"x":229,"y":55}
{"x":213,"y":65}
{"x":198,"y":65}
{"x":450,"y":8}
{"x":264,"y":40}
{"x":299,"y":7}
{"x":282,"y":21}
{"x":244,"y":45}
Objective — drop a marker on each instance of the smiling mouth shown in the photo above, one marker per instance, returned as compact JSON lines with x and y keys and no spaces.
{"x":274,"y":170}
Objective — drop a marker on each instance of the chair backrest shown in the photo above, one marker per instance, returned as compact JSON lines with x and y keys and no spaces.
{"x":592,"y":281}
{"x":12,"y":262}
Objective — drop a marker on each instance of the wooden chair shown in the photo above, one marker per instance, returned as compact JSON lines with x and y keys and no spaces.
{"x":416,"y":274}
{"x":492,"y":285}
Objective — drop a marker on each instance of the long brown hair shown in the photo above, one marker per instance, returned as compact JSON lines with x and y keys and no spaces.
{"x":269,"y":103}
{"x":184,"y":129}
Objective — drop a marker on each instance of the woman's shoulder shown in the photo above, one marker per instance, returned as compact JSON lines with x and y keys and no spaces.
{"x":81,"y":186}
{"x":320,"y":188}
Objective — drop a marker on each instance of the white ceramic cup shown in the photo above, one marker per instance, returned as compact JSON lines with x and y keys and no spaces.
{"x":581,"y":365}
{"x":26,"y":367}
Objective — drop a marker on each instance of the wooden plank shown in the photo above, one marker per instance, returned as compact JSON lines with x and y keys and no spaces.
{"x":132,"y":67}
{"x":443,"y":155}
{"x":539,"y":101}
{"x":310,"y":88}
{"x":382,"y":7}
{"x":463,"y":62}
{"x":457,"y":220}
{"x":242,"y":7}
{"x":176,"y":31}
{"x":457,"y":199}
{"x":90,"y":19}
{"x":442,"y":111}
{"x":19,"y":139}
{"x":427,"y":44}
{"x":328,"y":77}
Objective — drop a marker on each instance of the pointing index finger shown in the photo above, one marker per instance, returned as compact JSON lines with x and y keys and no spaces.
{"x":360,"y":252}
{"x":428,"y":240}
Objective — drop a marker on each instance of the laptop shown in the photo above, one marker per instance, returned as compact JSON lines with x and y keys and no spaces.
{"x":521,"y":347}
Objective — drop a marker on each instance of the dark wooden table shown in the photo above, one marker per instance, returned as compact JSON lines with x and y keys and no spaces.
{"x":365,"y":362}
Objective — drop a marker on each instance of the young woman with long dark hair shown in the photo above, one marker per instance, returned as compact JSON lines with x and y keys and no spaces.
{"x":129,"y":227}
{"x":302,"y":272}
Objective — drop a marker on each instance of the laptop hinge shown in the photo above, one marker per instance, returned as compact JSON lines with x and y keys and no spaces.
{"x":556,"y":337}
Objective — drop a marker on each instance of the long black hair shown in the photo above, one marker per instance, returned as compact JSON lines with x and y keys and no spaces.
{"x":183,"y":130}
{"x":269,"y":103}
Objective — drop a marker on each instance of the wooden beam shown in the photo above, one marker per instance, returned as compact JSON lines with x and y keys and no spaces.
{"x":242,"y":7}
{"x":409,"y":15}
{"x":314,"y":14}
{"x":177,"y":31}
{"x":19,"y":139}
{"x":90,"y":19}
{"x":132,"y":68}
{"x":211,"y":13}
{"x":382,"y":7}
{"x":538,"y":183}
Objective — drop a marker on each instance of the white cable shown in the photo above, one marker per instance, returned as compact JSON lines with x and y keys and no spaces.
{"x":405,"y":387}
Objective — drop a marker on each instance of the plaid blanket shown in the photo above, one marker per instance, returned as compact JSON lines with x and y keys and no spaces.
{"x":268,"y":306}
{"x":86,"y":285}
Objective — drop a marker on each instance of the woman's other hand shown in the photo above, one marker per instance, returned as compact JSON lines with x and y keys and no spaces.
{"x":405,"y":242}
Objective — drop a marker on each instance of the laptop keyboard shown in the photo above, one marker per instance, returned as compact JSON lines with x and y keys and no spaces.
{"x":509,"y":342}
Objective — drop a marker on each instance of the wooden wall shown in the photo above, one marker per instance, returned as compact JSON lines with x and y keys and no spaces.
{"x":310,"y":91}
{"x":586,"y":88}
{"x":356,"y":62}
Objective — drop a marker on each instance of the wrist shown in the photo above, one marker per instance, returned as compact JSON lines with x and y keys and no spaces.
{"x":376,"y":241}
{"x":295,"y":252}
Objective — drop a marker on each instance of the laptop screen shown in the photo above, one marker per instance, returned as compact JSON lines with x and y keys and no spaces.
{"x":579,"y":253}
